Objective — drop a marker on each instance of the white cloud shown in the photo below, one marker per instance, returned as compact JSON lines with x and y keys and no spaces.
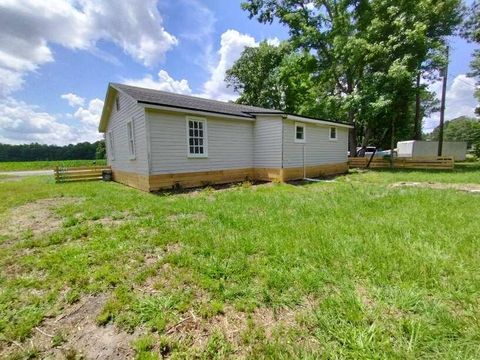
{"x":164,"y":82}
{"x":30,"y":26}
{"x":73,"y":99}
{"x":273,"y":41}
{"x":232,"y":44}
{"x":90,"y":116}
{"x":459,"y":100}
{"x":22,"y":123}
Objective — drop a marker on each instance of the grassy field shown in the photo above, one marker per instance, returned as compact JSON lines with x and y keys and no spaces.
{"x":369,"y":266}
{"x":46,"y":165}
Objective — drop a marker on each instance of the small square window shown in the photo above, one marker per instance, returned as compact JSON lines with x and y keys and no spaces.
{"x":299,"y":133}
{"x":333,"y":133}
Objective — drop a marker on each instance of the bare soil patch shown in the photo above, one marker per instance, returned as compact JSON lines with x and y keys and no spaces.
{"x":185,"y":216}
{"x":470,"y":188}
{"x":81,"y":336}
{"x":8,"y":178}
{"x":37,"y":217}
{"x":195,"y":330}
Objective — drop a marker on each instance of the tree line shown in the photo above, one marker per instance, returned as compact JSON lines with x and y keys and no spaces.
{"x":460,"y":129}
{"x":367,"y":62}
{"x":41,"y":152}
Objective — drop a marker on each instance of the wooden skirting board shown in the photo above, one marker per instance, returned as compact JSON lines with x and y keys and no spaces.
{"x":135,"y":180}
{"x":204,"y":178}
{"x":314,"y":171}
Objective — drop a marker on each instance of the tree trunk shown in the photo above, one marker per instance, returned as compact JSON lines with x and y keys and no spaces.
{"x":352,"y":134}
{"x":417,"y":132}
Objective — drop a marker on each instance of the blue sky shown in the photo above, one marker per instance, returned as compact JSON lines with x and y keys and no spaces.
{"x":57,"y":57}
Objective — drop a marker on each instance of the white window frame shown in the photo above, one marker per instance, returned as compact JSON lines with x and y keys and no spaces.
{"x":205,"y":136}
{"x":304,"y":127}
{"x":330,"y":133}
{"x":117,"y":103}
{"x":111,"y":145}
{"x":131,"y":139}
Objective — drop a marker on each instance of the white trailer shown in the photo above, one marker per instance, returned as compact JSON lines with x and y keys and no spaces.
{"x":416,"y":148}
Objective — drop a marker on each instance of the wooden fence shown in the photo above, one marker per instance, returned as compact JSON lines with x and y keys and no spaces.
{"x":84,"y":173}
{"x":437,"y":162}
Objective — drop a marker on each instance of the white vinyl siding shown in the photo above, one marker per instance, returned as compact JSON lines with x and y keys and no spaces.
{"x":318,"y":149}
{"x":267,"y":134}
{"x":197,"y":141}
{"x":117,"y":125}
{"x":230,"y":144}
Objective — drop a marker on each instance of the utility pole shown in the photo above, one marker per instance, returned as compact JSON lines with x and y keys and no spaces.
{"x":442,"y":107}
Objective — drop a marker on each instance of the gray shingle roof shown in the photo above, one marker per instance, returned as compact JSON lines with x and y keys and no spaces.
{"x":163,"y":98}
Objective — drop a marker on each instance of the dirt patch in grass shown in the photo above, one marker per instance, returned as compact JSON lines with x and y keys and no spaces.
{"x":363,"y":295}
{"x":38,"y":218}
{"x":184,"y":216}
{"x":115,"y":219}
{"x":8,"y":178}
{"x":235,"y":325}
{"x":75,"y":334}
{"x":470,"y":188}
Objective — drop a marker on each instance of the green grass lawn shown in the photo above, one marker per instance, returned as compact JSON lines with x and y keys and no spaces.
{"x":354,"y":268}
{"x":46,"y":165}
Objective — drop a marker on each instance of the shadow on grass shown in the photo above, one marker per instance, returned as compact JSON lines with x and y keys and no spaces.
{"x":460,"y":168}
{"x":178,"y":190}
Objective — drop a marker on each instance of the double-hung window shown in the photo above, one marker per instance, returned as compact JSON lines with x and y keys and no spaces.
{"x":197,"y":137}
{"x":333,"y":133}
{"x":300,"y":133}
{"x":131,"y":139}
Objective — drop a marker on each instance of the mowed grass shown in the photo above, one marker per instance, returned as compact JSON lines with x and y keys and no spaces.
{"x":46,"y":165}
{"x":349,"y":269}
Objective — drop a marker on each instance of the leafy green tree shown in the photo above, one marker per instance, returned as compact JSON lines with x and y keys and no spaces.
{"x":100,"y":152}
{"x":459,"y":129}
{"x":368,"y":53}
{"x":274,"y":77}
{"x":38,"y":152}
{"x":471,"y":31}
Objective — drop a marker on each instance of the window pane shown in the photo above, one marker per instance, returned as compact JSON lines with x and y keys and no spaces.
{"x":200,"y":133}
{"x":200,"y":125}
{"x":201,"y":142}
{"x":195,"y":125}
{"x":299,"y":132}
{"x":201,"y":150}
{"x":190,"y":142}
{"x":191,"y":149}
{"x":196,"y":150}
{"x":333,"y":133}
{"x":190,"y":124}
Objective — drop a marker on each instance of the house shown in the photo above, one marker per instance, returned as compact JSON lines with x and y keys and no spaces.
{"x":156,"y":140}
{"x":417,"y":148}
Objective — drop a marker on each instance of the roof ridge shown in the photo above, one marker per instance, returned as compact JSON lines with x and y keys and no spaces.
{"x":169,"y":93}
